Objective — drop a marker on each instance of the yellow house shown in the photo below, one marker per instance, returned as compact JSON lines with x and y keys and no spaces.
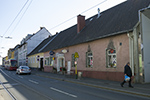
{"x":12,"y":54}
{"x":6,"y":58}
{"x":34,"y":60}
{"x":36,"y":57}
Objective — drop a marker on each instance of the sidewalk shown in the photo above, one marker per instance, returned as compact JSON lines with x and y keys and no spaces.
{"x":139,"y":89}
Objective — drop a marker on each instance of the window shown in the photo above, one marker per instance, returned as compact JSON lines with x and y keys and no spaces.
{"x":111,"y":58}
{"x":33,"y":59}
{"x":49,"y":61}
{"x":89,"y":59}
{"x":28,"y":60}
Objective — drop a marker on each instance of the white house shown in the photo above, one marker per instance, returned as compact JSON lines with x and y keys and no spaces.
{"x":30,"y":42}
{"x":145,"y":32}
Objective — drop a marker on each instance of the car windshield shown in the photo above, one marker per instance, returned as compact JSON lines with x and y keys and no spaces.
{"x":24,"y":67}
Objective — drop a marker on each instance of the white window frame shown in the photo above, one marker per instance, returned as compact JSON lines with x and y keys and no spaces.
{"x":111,"y":58}
{"x":89,"y":60}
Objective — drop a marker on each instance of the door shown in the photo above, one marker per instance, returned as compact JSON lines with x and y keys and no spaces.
{"x":41,"y":64}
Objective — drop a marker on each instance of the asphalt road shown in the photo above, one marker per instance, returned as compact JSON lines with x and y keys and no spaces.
{"x":32,"y":87}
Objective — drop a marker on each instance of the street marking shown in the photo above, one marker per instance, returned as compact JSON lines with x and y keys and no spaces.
{"x":33,"y":81}
{"x":15,"y":84}
{"x":20,"y":76}
{"x":63,"y":92}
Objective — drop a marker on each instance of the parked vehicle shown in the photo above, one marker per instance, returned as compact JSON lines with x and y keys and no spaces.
{"x":23,"y":70}
{"x":11,"y":64}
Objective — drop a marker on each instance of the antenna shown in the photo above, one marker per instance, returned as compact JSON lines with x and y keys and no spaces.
{"x":98,"y":13}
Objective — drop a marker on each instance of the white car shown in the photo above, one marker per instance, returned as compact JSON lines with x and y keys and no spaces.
{"x":23,"y":70}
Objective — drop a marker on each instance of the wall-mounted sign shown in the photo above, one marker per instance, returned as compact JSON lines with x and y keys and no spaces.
{"x":76,"y":55}
{"x":64,"y":51}
{"x":51,"y":53}
{"x":38,"y":58}
{"x":26,"y":59}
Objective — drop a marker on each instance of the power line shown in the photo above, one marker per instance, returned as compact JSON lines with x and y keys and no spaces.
{"x":21,"y":17}
{"x":15,"y":18}
{"x":76,"y":16}
{"x":93,"y":7}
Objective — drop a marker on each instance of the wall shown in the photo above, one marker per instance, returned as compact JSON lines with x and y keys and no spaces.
{"x":98,"y":47}
{"x":146,"y":49}
{"x":22,"y":52}
{"x":35,"y":63}
{"x":36,"y":39}
{"x":48,"y":68}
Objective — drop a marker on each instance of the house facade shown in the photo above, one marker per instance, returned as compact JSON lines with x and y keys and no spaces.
{"x":30,"y":43}
{"x":104,"y":44}
{"x":34,"y":60}
{"x":96,"y":60}
{"x":145,"y":30}
{"x":36,"y":57}
{"x":16,"y":53}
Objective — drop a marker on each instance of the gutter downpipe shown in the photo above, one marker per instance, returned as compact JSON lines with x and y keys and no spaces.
{"x":131,"y":52}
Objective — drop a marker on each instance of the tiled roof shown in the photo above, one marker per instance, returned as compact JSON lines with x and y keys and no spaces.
{"x":116,"y":20}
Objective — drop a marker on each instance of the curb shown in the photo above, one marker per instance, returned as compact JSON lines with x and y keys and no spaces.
{"x":97,"y":86}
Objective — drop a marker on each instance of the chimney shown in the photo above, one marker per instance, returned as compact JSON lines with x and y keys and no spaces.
{"x":80,"y":23}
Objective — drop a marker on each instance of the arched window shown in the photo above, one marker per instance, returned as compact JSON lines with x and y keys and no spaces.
{"x":89,"y":59}
{"x":111,"y":61}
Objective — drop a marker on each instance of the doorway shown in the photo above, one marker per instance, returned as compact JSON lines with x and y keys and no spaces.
{"x":60,"y":62}
{"x":41,"y":64}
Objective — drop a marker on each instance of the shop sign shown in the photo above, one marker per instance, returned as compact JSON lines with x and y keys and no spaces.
{"x":64,"y":51}
{"x":51,"y":53}
{"x":76,"y":55}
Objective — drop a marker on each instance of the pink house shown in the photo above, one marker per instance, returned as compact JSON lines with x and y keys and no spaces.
{"x":104,"y":44}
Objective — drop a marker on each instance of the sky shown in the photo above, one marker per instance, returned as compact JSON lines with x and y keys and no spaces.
{"x":21,"y":17}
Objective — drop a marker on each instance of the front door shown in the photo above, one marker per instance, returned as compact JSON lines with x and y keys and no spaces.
{"x":41,"y":64}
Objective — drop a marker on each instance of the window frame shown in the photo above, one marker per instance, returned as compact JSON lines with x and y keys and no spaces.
{"x":88,"y":58}
{"x":49,"y":61}
{"x":111,"y":58}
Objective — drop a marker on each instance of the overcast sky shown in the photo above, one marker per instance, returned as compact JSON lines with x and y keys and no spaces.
{"x":21,"y":17}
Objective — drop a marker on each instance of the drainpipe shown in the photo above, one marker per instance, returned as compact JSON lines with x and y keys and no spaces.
{"x":131,"y":52}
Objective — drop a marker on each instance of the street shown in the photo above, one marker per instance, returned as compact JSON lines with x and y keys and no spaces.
{"x":33,"y":87}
